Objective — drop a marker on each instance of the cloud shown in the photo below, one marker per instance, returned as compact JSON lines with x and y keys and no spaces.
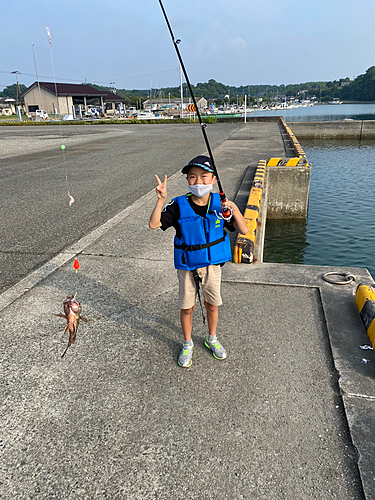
{"x":236,"y":43}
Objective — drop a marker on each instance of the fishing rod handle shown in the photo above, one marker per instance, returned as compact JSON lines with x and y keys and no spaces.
{"x":225,"y":210}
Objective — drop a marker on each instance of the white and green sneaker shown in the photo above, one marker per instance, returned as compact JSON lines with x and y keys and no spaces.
{"x":186,"y":354}
{"x":217,"y":349}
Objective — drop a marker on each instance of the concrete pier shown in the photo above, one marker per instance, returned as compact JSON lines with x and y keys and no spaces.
{"x":289,"y":414}
{"x":288,"y":192}
{"x":351,"y":129}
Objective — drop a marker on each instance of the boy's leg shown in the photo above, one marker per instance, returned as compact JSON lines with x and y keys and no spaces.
{"x":211,"y":282}
{"x":212,"y":317}
{"x":186,"y":317}
{"x":186,"y":354}
{"x":187,"y":298}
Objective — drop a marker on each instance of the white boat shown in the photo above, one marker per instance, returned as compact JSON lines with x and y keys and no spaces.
{"x":145,"y":115}
{"x":335,"y":101}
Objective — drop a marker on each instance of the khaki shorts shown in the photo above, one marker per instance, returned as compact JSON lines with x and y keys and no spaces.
{"x":210,"y":286}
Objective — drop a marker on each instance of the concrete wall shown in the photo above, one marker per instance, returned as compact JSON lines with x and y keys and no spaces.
{"x":288,"y":192}
{"x":45,"y":100}
{"x":356,"y":129}
{"x":65,"y":105}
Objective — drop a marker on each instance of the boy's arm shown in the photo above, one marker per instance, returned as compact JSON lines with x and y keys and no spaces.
{"x":161,"y":193}
{"x":239,"y":221}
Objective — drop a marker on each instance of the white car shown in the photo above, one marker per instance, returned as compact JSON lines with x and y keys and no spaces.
{"x":43,"y":114}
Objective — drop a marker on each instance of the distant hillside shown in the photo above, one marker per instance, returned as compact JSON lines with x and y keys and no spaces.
{"x":361,"y":88}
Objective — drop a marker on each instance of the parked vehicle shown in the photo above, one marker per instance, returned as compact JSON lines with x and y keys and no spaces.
{"x":92,"y":111}
{"x":43,"y":114}
{"x":132,"y":111}
{"x":145,"y":115}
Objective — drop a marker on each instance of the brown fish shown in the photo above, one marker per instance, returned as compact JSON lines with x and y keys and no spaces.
{"x":72,"y":310}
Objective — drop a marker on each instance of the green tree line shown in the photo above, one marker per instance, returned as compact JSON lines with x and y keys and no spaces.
{"x":362,"y":88}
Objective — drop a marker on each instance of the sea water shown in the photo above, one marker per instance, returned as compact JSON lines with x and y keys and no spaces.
{"x":340,"y":227}
{"x":324,"y":112}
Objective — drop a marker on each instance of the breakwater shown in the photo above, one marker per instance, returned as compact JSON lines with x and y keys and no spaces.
{"x":350,"y":129}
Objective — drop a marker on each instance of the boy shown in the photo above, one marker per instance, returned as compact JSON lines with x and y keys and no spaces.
{"x":201,"y":246}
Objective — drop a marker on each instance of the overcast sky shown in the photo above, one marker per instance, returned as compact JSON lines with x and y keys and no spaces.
{"x":236,"y":42}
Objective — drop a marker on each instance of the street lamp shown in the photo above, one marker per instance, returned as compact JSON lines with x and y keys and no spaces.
{"x":114,"y":88}
{"x":16,"y":73}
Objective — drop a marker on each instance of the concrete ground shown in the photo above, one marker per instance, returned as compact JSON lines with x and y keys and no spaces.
{"x":106,"y":168}
{"x":287,"y":416}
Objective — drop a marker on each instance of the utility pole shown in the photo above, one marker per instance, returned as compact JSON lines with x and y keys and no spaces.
{"x":17,"y":90}
{"x":37,"y":79}
{"x":182,"y":93}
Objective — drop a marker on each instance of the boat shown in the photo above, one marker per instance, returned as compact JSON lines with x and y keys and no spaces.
{"x":336,"y":100}
{"x":145,"y":115}
{"x":222,"y":113}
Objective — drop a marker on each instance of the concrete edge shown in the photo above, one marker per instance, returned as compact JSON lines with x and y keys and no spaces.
{"x":26,"y":284}
{"x":296,"y":145}
{"x":262,"y":221}
{"x":245,"y":244}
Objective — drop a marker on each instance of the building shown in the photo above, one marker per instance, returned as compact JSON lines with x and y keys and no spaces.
{"x":172,"y":103}
{"x":59,"y":98}
{"x":7,"y":106}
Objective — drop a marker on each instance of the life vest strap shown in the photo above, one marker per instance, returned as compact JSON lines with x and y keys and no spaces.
{"x":191,"y":248}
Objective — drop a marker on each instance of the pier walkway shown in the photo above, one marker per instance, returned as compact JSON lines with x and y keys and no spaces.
{"x":117,"y":418}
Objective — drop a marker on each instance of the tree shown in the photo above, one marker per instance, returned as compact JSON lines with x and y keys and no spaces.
{"x":11,"y":90}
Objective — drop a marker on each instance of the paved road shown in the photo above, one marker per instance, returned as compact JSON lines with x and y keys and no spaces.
{"x":106,"y":168}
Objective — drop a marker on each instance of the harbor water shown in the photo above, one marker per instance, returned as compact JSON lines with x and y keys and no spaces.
{"x":340,"y":227}
{"x":324,"y":112}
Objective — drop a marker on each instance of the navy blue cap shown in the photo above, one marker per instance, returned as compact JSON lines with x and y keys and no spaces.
{"x":199,"y":161}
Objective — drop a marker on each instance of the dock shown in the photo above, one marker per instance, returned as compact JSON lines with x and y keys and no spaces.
{"x":288,"y":415}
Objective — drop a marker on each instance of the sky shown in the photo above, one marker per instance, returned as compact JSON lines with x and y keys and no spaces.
{"x":126,"y":44}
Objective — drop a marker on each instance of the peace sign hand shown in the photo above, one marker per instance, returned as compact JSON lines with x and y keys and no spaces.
{"x":161,"y":188}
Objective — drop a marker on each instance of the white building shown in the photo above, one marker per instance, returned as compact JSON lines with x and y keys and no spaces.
{"x":7,"y":106}
{"x":59,"y":98}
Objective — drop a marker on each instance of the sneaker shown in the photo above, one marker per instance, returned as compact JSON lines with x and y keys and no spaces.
{"x":186,"y":354}
{"x":217,"y":349}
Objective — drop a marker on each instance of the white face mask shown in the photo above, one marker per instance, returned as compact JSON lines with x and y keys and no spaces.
{"x":200,"y":190}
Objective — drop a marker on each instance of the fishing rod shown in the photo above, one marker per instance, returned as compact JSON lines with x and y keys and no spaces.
{"x":226,"y":211}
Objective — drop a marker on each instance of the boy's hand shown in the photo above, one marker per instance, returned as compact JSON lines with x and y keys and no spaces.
{"x":238,"y":219}
{"x":228,"y":204}
{"x":161,"y":188}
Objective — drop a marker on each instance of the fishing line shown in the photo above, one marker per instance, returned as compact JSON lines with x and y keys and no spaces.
{"x":225,"y":210}
{"x":64,"y":162}
{"x":71,"y":199}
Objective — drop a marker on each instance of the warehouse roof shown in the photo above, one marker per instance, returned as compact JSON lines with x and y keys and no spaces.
{"x":73,"y":89}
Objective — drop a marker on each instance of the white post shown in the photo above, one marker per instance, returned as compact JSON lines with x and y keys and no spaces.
{"x":245,"y":107}
{"x":182,"y":93}
{"x":18,"y":111}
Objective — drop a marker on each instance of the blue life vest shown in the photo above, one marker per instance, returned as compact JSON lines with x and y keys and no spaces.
{"x":203,"y":240}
